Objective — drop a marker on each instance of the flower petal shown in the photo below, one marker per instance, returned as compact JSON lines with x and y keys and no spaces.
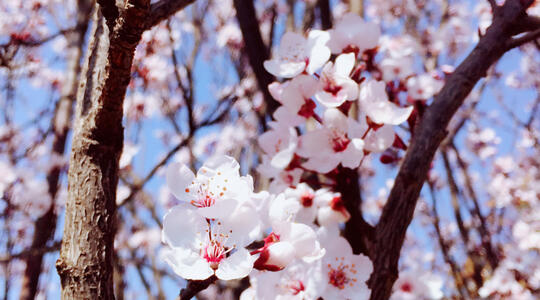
{"x":188,"y":264}
{"x":236,"y":266}
{"x":178,"y":178}
{"x":182,"y":227}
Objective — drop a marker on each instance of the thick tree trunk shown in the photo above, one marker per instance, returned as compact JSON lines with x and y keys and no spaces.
{"x":86,"y":258}
{"x":45,"y":225}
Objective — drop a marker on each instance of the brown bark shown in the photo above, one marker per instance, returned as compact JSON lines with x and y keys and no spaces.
{"x":429,"y":133}
{"x":45,"y":225}
{"x":86,"y":257}
{"x":255,"y":48}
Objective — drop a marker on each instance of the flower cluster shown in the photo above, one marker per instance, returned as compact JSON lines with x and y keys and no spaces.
{"x":334,"y":112}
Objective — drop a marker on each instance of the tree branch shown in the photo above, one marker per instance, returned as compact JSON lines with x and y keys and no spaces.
{"x":429,"y":132}
{"x":528,"y":37}
{"x":257,"y":51}
{"x":195,"y":286}
{"x":163,"y":9}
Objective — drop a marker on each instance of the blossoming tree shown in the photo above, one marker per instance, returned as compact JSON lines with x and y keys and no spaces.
{"x":270,"y":149}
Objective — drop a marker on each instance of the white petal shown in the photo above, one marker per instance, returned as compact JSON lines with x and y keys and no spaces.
{"x":314,"y":142}
{"x":236,"y":266}
{"x":380,"y":140}
{"x":178,"y":178}
{"x":281,"y":254}
{"x":284,"y":69}
{"x":221,"y":208}
{"x":224,"y":164}
{"x":188,"y":264}
{"x":322,"y":164}
{"x":344,"y":64}
{"x":334,"y":118}
{"x":318,"y":56}
{"x":353,"y":154}
{"x":282,"y":158}
{"x":183,"y":227}
{"x":330,"y":100}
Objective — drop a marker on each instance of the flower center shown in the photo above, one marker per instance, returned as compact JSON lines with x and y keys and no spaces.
{"x":307,"y":199}
{"x":340,"y":276}
{"x":340,"y":141}
{"x":406,"y":287}
{"x":296,"y":286}
{"x":213,"y":253}
{"x":332,"y":88}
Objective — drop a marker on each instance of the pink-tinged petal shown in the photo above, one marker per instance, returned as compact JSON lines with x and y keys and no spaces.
{"x":322,"y":164}
{"x":182,"y":227}
{"x":178,"y":178}
{"x":222,"y":208}
{"x":344,"y":64}
{"x":379,"y":140}
{"x":393,"y":114}
{"x":330,"y":100}
{"x":286,"y":117}
{"x":276,"y":90}
{"x":349,"y":88}
{"x":284,"y":69}
{"x":236,"y":266}
{"x":335,"y":119}
{"x":314,"y":142}
{"x":374,"y":103}
{"x":352,"y":156}
{"x":282,"y":158}
{"x":188,"y":264}
{"x":292,"y":96}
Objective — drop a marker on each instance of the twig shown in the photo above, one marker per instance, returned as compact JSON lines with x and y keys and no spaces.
{"x":163,"y":9}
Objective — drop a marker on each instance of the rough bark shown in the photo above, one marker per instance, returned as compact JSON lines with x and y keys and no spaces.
{"x":86,"y":257}
{"x":429,"y":133}
{"x":45,"y":225}
{"x":255,"y":48}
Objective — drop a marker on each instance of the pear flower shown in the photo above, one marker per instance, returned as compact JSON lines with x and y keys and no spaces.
{"x":297,"y":54}
{"x":200,"y":248}
{"x":215,"y":191}
{"x":375,"y":104}
{"x":338,"y":141}
{"x":336,"y":86}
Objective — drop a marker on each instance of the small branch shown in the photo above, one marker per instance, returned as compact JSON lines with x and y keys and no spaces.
{"x":458,"y":280}
{"x":195,"y":286}
{"x":163,"y":9}
{"x":31,"y":252}
{"x":325,"y":14}
{"x":528,"y":37}
{"x":255,"y":48}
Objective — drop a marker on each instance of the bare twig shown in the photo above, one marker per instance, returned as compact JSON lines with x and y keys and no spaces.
{"x":163,"y":9}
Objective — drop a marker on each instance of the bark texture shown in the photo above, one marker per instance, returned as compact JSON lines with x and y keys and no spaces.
{"x":86,"y":258}
{"x":429,"y":133}
{"x":45,"y":225}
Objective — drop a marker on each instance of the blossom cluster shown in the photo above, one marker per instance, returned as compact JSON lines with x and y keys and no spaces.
{"x":336,"y":109}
